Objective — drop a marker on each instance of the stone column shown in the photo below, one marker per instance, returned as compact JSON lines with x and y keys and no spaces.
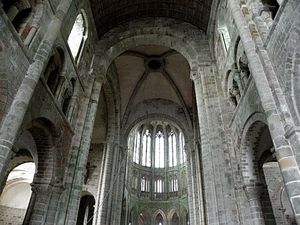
{"x":240,"y":82}
{"x":83,"y":152}
{"x":43,"y":204}
{"x":190,"y":189}
{"x":253,"y":195}
{"x":110,"y":200}
{"x":278,"y":117}
{"x":217,"y":171}
{"x":212,"y":215}
{"x":14,"y":118}
{"x":104,"y":185}
{"x":117,"y":210}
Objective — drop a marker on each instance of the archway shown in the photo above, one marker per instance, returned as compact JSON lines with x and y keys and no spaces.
{"x":260,"y":171}
{"x":86,"y":210}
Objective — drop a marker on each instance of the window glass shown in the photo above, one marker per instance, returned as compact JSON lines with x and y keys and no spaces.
{"x":77,"y":36}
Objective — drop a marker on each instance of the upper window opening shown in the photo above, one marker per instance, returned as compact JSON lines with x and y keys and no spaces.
{"x":146,"y":149}
{"x":78,"y":36}
{"x":20,"y":14}
{"x":272,"y":6}
{"x":225,"y":37}
{"x":159,"y":150}
{"x":157,"y":144}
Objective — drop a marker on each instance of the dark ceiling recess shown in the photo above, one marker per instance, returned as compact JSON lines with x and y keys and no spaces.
{"x":154,"y":64}
{"x":110,"y":13}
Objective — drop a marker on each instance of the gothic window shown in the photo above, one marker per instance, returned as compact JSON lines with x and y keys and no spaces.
{"x":143,"y":184}
{"x":173,"y":184}
{"x":136,"y":152}
{"x":159,"y":186}
{"x":182,"y":156}
{"x":159,"y":150}
{"x":146,"y":148}
{"x":172,"y":149}
{"x":157,"y":144}
{"x":78,"y":36}
{"x":157,"y":159}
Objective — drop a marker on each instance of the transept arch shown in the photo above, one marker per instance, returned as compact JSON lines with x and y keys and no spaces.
{"x":182,"y":37}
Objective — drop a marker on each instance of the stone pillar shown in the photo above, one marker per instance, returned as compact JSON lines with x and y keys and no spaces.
{"x":212,"y":215}
{"x":117,"y":209}
{"x":278,"y":118}
{"x":215,"y":158}
{"x":190,"y":189}
{"x":14,"y":118}
{"x":43,"y":204}
{"x":253,"y":195}
{"x":239,"y":80}
{"x":104,"y":185}
{"x":83,"y":152}
{"x":110,"y":200}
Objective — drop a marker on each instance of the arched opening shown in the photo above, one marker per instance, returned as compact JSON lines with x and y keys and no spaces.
{"x":237,"y":77}
{"x":66,"y":101}
{"x":261,"y":174}
{"x":175,"y":219}
{"x":86,"y":210}
{"x":16,"y":194}
{"x":159,"y":220}
{"x":272,"y":6}
{"x":53,"y":71}
{"x":78,"y":36}
{"x":20,"y":13}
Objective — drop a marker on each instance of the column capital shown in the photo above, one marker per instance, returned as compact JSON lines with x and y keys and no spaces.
{"x":202,"y":69}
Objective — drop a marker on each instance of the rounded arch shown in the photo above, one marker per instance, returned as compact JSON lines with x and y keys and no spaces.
{"x":188,"y":40}
{"x":86,"y":209}
{"x":256,"y":162}
{"x":54,"y":69}
{"x":112,"y":103}
{"x":25,"y":16}
{"x":250,"y":132}
{"x":45,"y":133}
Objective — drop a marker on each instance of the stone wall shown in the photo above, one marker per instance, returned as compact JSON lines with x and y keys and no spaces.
{"x":11,"y":216}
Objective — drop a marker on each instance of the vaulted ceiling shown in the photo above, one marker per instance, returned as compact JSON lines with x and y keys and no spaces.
{"x":153,"y":72}
{"x":110,"y":13}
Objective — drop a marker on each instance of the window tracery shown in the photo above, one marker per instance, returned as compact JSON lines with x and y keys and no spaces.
{"x":158,"y":159}
{"x":159,"y":146}
{"x":159,"y":150}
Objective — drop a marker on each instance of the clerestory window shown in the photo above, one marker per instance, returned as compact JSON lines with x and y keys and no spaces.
{"x":78,"y":36}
